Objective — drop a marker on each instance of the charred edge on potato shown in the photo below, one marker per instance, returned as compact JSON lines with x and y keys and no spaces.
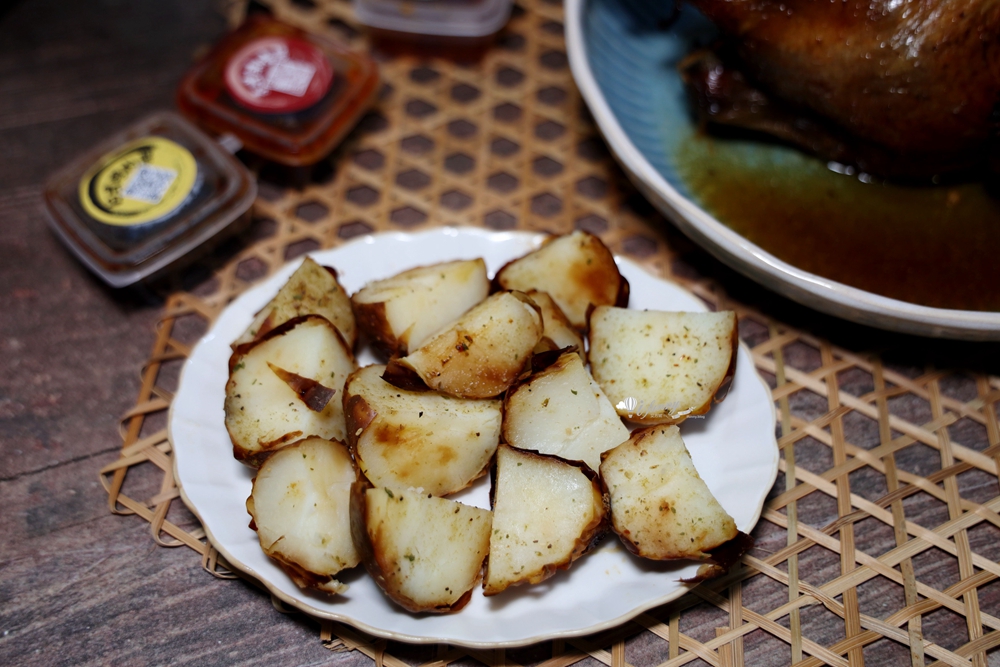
{"x":312,"y":393}
{"x":722,"y":558}
{"x":403,"y":377}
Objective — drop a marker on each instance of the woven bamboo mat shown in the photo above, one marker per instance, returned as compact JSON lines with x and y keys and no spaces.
{"x":880,"y":539}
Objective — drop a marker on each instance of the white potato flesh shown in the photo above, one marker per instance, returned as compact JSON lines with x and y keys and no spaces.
{"x":426,"y":440}
{"x":660,"y":506}
{"x":311,"y":290}
{"x":562,"y":411}
{"x":661,"y":367}
{"x":559,"y":332}
{"x":481,"y":354}
{"x":546,"y":514}
{"x":300,"y":506}
{"x":576,"y":270}
{"x":426,"y":553}
{"x":400,"y":313}
{"x":263,"y":412}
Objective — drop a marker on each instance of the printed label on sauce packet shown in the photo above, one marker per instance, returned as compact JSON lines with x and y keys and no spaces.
{"x":278,"y":75}
{"x":144,"y":180}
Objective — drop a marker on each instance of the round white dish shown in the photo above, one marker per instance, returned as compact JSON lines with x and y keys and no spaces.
{"x":623,"y":65}
{"x":734,"y":449}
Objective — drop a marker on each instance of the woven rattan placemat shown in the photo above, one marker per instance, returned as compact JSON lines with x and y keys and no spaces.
{"x":879,"y":541}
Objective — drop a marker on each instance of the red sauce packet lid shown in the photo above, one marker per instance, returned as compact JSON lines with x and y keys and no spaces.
{"x":278,"y":75}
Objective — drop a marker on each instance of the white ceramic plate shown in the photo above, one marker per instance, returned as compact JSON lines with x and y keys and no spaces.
{"x":624,"y":66}
{"x":734,"y":449}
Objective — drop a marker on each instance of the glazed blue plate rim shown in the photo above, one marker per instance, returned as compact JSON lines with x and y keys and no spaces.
{"x":812,"y":290}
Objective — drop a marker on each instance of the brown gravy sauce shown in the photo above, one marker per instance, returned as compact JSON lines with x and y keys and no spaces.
{"x":933,"y":246}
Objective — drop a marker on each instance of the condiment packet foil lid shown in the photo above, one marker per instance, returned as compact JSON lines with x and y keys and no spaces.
{"x":145,"y":197}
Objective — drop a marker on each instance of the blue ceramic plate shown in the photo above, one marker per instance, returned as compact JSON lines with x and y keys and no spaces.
{"x":624,"y":54}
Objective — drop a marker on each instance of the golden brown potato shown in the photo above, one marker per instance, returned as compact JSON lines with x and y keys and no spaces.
{"x":285,"y":386}
{"x":547,"y":513}
{"x":400,"y":313}
{"x":311,"y":290}
{"x":562,"y":411}
{"x":660,"y":506}
{"x":425,"y":553}
{"x":404,"y":439}
{"x":659,"y":367}
{"x":577,"y":271}
{"x":300,"y":508}
{"x":481,"y":354}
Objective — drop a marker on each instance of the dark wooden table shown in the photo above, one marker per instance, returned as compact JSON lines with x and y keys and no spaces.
{"x":79,"y":585}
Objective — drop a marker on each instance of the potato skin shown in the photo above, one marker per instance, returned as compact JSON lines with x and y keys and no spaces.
{"x":372,"y":320}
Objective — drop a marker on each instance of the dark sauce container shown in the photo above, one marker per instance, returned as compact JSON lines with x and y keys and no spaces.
{"x":144,"y":198}
{"x":288,"y":95}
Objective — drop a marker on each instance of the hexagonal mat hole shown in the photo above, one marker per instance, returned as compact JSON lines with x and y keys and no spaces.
{"x":546,"y":166}
{"x":593,"y":187}
{"x":311,"y":211}
{"x":419,"y":108}
{"x":551,"y":95}
{"x":372,"y":123}
{"x":546,"y":205}
{"x":417,"y":144}
{"x":592,"y":148}
{"x":553,"y":27}
{"x":464,"y":93}
{"x":413,"y":179}
{"x":462,"y":129}
{"x":639,"y":245}
{"x":553,"y":59}
{"x":251,"y":269}
{"x":504,"y":147}
{"x":300,"y":248}
{"x":346,"y":31}
{"x":459,"y":163}
{"x":456,"y":200}
{"x":362,"y":195}
{"x":499,"y":220}
{"x":424,"y":74}
{"x":502,"y":182}
{"x":594,"y":224}
{"x":407,"y":216}
{"x":506,"y":112}
{"x":549,"y":130}
{"x":349,"y":230}
{"x":511,"y":41}
{"x":369,"y":159}
{"x":509,"y":77}
{"x":260,"y":229}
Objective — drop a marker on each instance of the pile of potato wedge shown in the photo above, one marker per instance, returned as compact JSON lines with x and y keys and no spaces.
{"x":536,"y":374}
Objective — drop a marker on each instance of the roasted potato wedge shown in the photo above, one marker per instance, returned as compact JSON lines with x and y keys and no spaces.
{"x":547,"y":513}
{"x":400,"y":313}
{"x":300,"y":508}
{"x":277,"y":386}
{"x":659,"y":367}
{"x":311,"y":290}
{"x":425,"y":553}
{"x":425,"y":440}
{"x":562,"y":411}
{"x":576,"y":270}
{"x":558,"y":331}
{"x":660,"y":507}
{"x":481,"y":354}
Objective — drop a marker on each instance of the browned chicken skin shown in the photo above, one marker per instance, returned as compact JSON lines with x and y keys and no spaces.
{"x":919,"y":79}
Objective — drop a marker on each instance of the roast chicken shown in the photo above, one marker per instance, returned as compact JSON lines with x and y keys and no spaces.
{"x":906,"y":89}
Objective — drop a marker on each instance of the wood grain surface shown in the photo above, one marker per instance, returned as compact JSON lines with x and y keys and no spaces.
{"x":82,"y":586}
